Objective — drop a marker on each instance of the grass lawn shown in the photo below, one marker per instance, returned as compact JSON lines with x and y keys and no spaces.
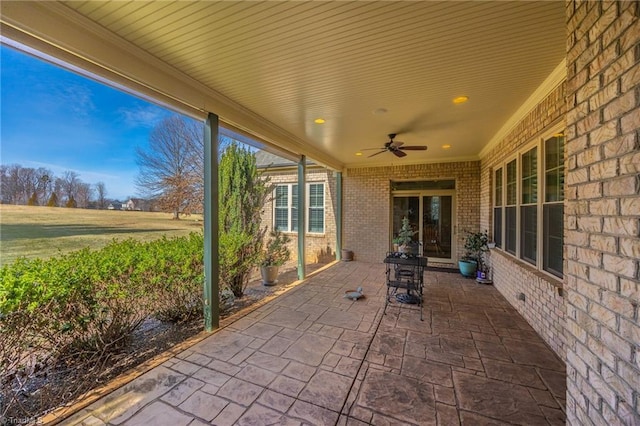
{"x":46,"y":231}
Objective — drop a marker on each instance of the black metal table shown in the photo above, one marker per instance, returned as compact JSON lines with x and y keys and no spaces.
{"x":405,"y":271}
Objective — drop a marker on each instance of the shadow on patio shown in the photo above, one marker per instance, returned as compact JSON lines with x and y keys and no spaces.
{"x":313,"y":357}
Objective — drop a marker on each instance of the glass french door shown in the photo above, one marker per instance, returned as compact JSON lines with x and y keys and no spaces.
{"x":432,"y":214}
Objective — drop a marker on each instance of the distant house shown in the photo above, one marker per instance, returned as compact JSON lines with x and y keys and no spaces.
{"x":280,"y":211}
{"x":115,"y":205}
{"x":134,"y":204}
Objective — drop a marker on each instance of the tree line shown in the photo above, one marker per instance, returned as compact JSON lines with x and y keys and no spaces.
{"x":21,"y":185}
{"x":170,"y":175}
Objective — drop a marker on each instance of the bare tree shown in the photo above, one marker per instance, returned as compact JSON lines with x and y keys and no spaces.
{"x":57,"y":190}
{"x":69,"y":184}
{"x":84,"y":193}
{"x":170,"y":169}
{"x":12,"y":187}
{"x":101,"y":194}
{"x":44,"y":187}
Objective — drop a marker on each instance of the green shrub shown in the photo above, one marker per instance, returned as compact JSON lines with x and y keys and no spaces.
{"x":84,"y":304}
{"x":176,"y":275}
{"x":92,"y":300}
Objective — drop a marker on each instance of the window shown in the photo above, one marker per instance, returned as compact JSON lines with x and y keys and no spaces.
{"x":286,"y":207}
{"x":316,"y":208}
{"x":294,"y":208}
{"x":281,"y":210}
{"x":497,"y":209}
{"x":510,"y":209}
{"x":553,"y":208}
{"x":528,"y":212}
{"x":528,"y":206}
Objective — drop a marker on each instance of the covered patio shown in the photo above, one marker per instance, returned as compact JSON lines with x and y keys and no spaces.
{"x":311,"y":356}
{"x":544,"y":156}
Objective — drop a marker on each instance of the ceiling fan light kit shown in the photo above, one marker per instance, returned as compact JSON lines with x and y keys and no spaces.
{"x":396,"y":147}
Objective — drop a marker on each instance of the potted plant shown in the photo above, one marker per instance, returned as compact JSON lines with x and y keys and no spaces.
{"x":475,"y":244}
{"x":275,"y":254}
{"x":405,"y":236}
{"x":396,"y":244}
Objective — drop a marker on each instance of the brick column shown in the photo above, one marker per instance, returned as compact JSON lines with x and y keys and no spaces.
{"x":602,"y":212}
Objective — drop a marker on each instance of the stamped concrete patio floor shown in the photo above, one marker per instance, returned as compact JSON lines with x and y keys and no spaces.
{"x":313,"y":357}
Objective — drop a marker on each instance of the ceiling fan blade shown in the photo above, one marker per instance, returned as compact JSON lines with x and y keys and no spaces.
{"x":369,"y":149}
{"x":372,"y":155}
{"x":413,"y":148}
{"x":399,"y":153}
{"x":396,"y":144}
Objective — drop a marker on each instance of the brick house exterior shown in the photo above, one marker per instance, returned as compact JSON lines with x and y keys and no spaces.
{"x":589,"y":315}
{"x":602,"y":212}
{"x":367,"y":203}
{"x":319,"y":247}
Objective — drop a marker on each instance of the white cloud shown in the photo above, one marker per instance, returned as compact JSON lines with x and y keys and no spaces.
{"x":66,"y":98}
{"x":142,"y":115}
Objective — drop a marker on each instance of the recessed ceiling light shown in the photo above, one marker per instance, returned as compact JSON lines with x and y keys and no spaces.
{"x":380,"y":111}
{"x":319,"y":121}
{"x":358,"y":154}
{"x":446,"y":146}
{"x":460,"y":99}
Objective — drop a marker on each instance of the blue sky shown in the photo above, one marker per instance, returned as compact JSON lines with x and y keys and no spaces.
{"x":59,"y":120}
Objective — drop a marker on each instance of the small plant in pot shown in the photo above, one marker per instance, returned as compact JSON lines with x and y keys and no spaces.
{"x":274,"y":255}
{"x":405,"y":236}
{"x":396,"y":244}
{"x":475,"y":244}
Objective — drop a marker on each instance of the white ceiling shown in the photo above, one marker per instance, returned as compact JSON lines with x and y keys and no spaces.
{"x":283,"y":64}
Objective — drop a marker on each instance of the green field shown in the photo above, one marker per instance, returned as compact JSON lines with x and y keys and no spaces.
{"x":46,"y":231}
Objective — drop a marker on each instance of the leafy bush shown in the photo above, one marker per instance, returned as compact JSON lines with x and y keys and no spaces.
{"x":243,"y":193}
{"x":85,"y":304}
{"x":276,"y":252}
{"x":91,"y":300}
{"x":175,"y":272}
{"x":237,"y":258}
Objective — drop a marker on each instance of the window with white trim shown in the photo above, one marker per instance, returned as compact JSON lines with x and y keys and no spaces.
{"x":497,"y":208}
{"x":528,"y":205}
{"x":316,"y":208}
{"x":282,"y":208}
{"x":553,"y":206}
{"x":528,"y":210}
{"x":286,"y":207}
{"x":510,"y":208}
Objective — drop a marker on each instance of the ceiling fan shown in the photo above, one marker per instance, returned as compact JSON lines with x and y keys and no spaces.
{"x":396,"y":147}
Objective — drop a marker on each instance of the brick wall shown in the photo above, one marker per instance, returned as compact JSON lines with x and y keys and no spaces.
{"x":602,"y":213}
{"x":543,"y":307}
{"x":319,"y":248}
{"x":367,"y":203}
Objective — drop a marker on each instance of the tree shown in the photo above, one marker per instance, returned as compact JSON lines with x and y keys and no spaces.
{"x":242,"y":193}
{"x":71,"y":203}
{"x":33,"y":200}
{"x":53,"y":200}
{"x":44,"y":186}
{"x":69,"y":184}
{"x":170,"y":167}
{"x":84,"y":193}
{"x":12,"y":184}
{"x":101,"y":193}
